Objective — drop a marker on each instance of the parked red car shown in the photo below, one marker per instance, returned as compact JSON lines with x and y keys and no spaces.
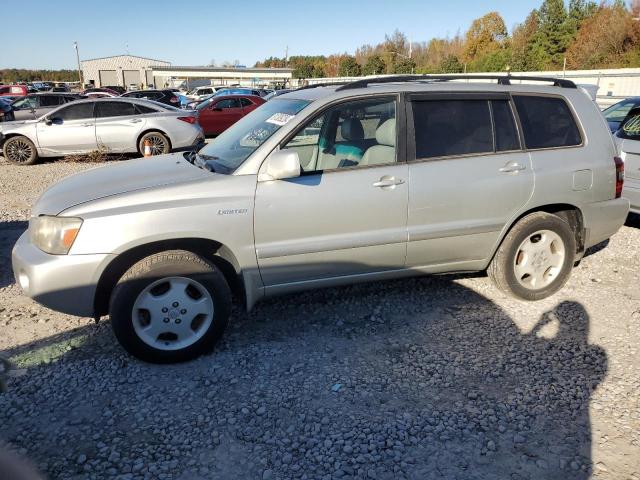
{"x":219,"y":113}
{"x":14,"y":90}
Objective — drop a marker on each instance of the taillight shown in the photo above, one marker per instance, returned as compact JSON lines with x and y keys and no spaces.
{"x":619,"y":175}
{"x":174,"y":100}
{"x":190,"y":120}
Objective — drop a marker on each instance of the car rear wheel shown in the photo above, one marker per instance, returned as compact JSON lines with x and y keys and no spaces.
{"x":20,"y":150}
{"x":535,"y":259}
{"x":170,"y":307}
{"x":159,"y":143}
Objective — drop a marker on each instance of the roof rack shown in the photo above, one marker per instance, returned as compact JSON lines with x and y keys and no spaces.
{"x":328,"y":84}
{"x":501,"y":79}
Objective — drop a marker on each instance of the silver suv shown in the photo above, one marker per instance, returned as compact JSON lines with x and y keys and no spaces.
{"x":324,"y":186}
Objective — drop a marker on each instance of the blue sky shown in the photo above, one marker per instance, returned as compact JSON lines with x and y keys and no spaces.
{"x":195,"y":32}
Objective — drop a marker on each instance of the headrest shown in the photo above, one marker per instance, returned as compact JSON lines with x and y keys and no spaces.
{"x":351,"y":129}
{"x":386,"y":133}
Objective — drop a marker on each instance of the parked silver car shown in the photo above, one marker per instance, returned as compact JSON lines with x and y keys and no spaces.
{"x":35,"y":105}
{"x":328,"y":186}
{"x":112,"y":125}
{"x":628,"y":140}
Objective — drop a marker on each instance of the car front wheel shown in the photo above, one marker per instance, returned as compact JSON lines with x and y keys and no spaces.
{"x":535,"y":258}
{"x":170,"y":307}
{"x":20,"y":150}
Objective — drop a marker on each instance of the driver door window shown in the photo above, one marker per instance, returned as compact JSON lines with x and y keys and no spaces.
{"x":352,"y":134}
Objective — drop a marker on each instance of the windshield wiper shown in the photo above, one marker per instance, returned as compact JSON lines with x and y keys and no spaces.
{"x":205,"y":161}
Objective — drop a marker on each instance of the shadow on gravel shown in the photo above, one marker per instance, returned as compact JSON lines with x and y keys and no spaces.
{"x":404,"y":379}
{"x":9,"y":233}
{"x":633,"y":220}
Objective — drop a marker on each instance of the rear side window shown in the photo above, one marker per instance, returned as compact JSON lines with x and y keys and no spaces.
{"x":547,"y":122}
{"x":452,"y":127}
{"x":505,"y":126}
{"x":246,"y":102}
{"x":143,"y":109}
{"x":50,"y":100}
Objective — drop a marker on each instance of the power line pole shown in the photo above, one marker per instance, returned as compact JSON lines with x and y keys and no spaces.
{"x":75,"y":45}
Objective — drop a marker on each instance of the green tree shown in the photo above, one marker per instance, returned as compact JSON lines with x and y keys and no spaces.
{"x":450,"y":64}
{"x":404,"y":65}
{"x":554,"y":34}
{"x":349,"y":67}
{"x":374,"y":66}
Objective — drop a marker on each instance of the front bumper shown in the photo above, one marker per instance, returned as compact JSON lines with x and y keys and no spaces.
{"x":66,"y":283}
{"x":603,"y":219}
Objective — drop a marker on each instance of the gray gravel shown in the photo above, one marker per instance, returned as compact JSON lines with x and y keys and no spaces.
{"x":432,"y":377}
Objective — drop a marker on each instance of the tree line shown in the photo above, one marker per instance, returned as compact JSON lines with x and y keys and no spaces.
{"x":12,"y":75}
{"x":584,"y":34}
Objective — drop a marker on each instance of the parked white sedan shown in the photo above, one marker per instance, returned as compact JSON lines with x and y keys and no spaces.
{"x":112,"y":125}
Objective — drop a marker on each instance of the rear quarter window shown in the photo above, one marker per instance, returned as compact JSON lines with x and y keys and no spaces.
{"x":547,"y":122}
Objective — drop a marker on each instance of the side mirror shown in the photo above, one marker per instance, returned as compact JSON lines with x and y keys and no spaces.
{"x":280,"y":165}
{"x":48,"y":121}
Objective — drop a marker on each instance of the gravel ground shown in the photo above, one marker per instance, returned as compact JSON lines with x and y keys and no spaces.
{"x":432,"y":377}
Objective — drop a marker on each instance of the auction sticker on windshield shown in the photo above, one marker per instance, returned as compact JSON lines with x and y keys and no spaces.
{"x":279,"y":119}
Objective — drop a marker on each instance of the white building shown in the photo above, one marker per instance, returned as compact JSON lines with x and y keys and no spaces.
{"x":246,"y":77}
{"x":122,"y":70}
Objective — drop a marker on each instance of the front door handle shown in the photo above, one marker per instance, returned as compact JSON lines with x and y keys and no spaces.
{"x":388,"y":181}
{"x":135,"y":120}
{"x":512,"y":167}
{"x":87,"y":124}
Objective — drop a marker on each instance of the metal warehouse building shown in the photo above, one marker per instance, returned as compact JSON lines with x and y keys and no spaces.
{"x":120,"y":70}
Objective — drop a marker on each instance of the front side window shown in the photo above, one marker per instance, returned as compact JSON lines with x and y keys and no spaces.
{"x":115,"y":109}
{"x":547,"y":122}
{"x":352,"y":134}
{"x":246,"y":102}
{"x":228,"y":103}
{"x":77,"y":111}
{"x":25,"y":103}
{"x":619,"y":111}
{"x":452,"y":127}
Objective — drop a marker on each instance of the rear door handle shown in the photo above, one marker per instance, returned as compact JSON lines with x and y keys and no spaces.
{"x":512,"y":167}
{"x":387,"y":181}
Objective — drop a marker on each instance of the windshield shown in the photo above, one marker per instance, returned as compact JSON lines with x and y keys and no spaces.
{"x":229,"y":150}
{"x":618,"y":112}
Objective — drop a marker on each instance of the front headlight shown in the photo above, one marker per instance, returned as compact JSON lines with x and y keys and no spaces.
{"x":54,"y":235}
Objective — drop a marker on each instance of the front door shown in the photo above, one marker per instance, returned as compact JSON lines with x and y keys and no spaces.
{"x":222,"y":114}
{"x":71,"y":130}
{"x":468,"y":178}
{"x":346,"y":214}
{"x":118,"y":125}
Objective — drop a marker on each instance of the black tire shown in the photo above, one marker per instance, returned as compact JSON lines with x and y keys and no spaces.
{"x":502,"y":269}
{"x":20,"y":150}
{"x":173,"y":263}
{"x":160,"y":144}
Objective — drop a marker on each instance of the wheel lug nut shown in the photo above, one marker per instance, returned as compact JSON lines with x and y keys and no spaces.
{"x":165,"y":309}
{"x":183,"y":311}
{"x":178,"y":320}
{"x":175,"y":304}
{"x":166,"y":320}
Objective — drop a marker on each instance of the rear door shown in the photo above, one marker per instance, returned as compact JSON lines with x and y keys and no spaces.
{"x":248,"y":106}
{"x":118,"y":125}
{"x":468,"y":176}
{"x":72,"y":130}
{"x":48,"y":103}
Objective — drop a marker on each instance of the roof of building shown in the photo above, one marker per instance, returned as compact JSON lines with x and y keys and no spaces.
{"x":124,"y":55}
{"x":222,"y":69}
